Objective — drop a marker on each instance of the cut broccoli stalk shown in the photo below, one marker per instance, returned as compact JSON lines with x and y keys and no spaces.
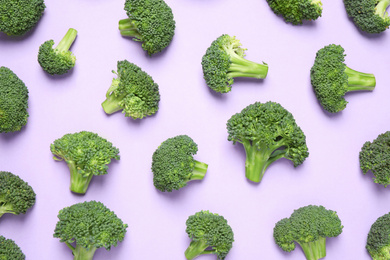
{"x":128,"y":29}
{"x":314,"y":250}
{"x":197,"y":248}
{"x":67,"y":41}
{"x":199,"y":171}
{"x":81,"y":253}
{"x":111,"y":104}
{"x":241,"y":67}
{"x":258,"y":160}
{"x":4,"y":208}
{"x":78,"y":182}
{"x":381,"y":8}
{"x":358,"y":81}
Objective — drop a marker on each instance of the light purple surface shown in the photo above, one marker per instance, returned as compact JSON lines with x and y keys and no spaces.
{"x":58,"y":105}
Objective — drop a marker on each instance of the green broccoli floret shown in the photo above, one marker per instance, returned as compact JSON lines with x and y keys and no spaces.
{"x":332,"y":79}
{"x":296,"y":11}
{"x":13,"y":101}
{"x":369,"y":15}
{"x":268,"y":133}
{"x":224,"y":60}
{"x":309,"y":227}
{"x":210,"y":234}
{"x":150,"y":22}
{"x":86,"y":154}
{"x":9,"y":250}
{"x":378,"y":239}
{"x":16,"y":196}
{"x":173,"y":165}
{"x":133,"y":91}
{"x":375,"y":157}
{"x":58,"y":60}
{"x":20,"y":16}
{"x":90,"y":225}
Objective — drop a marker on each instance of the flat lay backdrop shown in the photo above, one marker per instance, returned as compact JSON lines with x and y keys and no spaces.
{"x":330,"y":176}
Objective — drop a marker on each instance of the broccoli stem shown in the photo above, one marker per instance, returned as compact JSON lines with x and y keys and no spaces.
{"x":241,"y":67}
{"x":199,"y":171}
{"x":78,"y":183}
{"x":197,"y":248}
{"x":67,"y":41}
{"x":381,"y":8}
{"x":4,"y":208}
{"x":258,"y":160}
{"x":314,"y":250}
{"x":127,"y":28}
{"x":358,"y":81}
{"x":81,"y":253}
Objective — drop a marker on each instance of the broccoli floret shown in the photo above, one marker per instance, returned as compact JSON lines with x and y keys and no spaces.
{"x":58,"y":60}
{"x":13,"y":101}
{"x":20,"y":16}
{"x":268,"y":133}
{"x":210,"y":234}
{"x":90,"y":225}
{"x":296,"y":11}
{"x":369,"y":15}
{"x":16,"y":196}
{"x":150,"y":22}
{"x":375,"y":157}
{"x":9,"y":250}
{"x":173,"y":165}
{"x":86,"y":154}
{"x":224,"y":60}
{"x":133,"y":91}
{"x":378,"y":239}
{"x":332,"y":79}
{"x":309,"y":227}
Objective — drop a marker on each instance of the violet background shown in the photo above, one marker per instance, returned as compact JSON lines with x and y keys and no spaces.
{"x":330,"y":176}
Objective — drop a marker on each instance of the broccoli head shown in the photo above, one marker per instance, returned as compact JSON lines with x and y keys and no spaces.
{"x":13,"y":101}
{"x":210,"y":234}
{"x":90,"y":225}
{"x":369,"y":15}
{"x":375,"y":157}
{"x":20,"y":16}
{"x":296,"y":11}
{"x":268,"y":133}
{"x":150,"y":22}
{"x":173,"y":165}
{"x":378,"y":239}
{"x":133,"y":91}
{"x":16,"y":196}
{"x":332,"y":79}
{"x":224,"y":60}
{"x":58,"y":60}
{"x":9,"y":250}
{"x":86,"y":154}
{"x":309,"y":227}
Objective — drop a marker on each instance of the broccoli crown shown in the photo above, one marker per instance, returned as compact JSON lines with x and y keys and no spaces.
{"x":89,"y":152}
{"x":296,"y":11}
{"x":153,"y":22}
{"x":90,"y":225}
{"x":375,"y":157}
{"x":210,"y":233}
{"x":224,"y":60}
{"x":269,"y":126}
{"x":20,"y":16}
{"x":16,"y":196}
{"x":13,"y":101}
{"x":173,"y":164}
{"x":10,"y":250}
{"x":369,"y":15}
{"x":328,"y":77}
{"x":305,"y":225}
{"x":133,"y":91}
{"x":54,"y":62}
{"x":378,"y":239}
